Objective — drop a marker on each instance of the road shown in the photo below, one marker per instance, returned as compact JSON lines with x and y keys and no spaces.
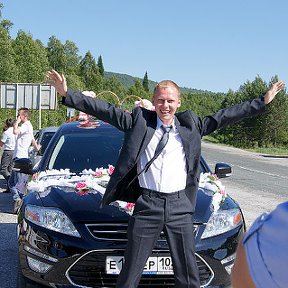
{"x":258,"y":184}
{"x":8,"y":240}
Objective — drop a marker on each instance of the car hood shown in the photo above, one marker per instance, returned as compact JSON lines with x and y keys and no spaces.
{"x":86,"y":206}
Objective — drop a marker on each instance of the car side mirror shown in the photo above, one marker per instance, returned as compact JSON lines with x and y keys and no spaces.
{"x":23,"y":165}
{"x":223,"y":170}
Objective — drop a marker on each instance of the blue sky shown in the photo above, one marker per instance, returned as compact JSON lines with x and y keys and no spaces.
{"x":212,"y":45}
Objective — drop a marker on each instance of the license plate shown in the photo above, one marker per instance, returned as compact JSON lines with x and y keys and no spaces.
{"x":157,"y":265}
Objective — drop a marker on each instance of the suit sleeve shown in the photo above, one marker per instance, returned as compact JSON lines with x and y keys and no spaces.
{"x":233,"y":114}
{"x":101,"y":109}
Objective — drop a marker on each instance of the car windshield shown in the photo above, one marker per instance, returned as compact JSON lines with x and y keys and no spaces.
{"x":86,"y":151}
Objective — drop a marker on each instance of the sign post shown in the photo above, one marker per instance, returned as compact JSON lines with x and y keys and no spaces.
{"x":32,"y":96}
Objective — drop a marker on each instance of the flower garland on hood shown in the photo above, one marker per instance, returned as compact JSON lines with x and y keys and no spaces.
{"x":98,"y":179}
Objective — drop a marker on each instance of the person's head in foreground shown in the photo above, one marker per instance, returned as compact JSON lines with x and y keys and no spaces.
{"x":262,"y":258}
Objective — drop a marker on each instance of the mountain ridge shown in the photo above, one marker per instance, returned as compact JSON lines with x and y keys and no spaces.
{"x":128,"y":80}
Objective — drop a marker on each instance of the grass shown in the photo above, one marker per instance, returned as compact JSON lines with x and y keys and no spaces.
{"x":271,"y":151}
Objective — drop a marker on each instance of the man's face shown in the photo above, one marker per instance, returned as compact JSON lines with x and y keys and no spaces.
{"x":22,"y":116}
{"x":166,"y":102}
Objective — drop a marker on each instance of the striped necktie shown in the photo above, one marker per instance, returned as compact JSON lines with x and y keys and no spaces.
{"x":162,"y":143}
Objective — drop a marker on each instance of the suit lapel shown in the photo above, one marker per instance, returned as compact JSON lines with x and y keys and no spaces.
{"x":184,"y":134}
{"x":151,"y":127}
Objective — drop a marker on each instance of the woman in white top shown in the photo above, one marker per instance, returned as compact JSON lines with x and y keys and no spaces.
{"x":7,"y":143}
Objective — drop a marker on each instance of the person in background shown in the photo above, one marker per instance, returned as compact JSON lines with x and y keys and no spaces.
{"x":145,"y":171}
{"x":24,"y":139}
{"x":262,"y":257}
{"x":7,"y":144}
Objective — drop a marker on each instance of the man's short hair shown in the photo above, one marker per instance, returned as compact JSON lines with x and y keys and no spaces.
{"x":166,"y":84}
{"x":25,"y":111}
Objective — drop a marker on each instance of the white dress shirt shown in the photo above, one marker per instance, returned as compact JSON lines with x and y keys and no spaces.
{"x":23,"y":141}
{"x":168,"y":172}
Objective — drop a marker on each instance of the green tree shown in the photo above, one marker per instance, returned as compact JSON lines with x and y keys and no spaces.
{"x":266,"y":129}
{"x":114,"y":85}
{"x":72,"y":66}
{"x":71,"y":58}
{"x":274,"y":123}
{"x":65,"y":59}
{"x":8,"y":67}
{"x":30,"y":58}
{"x":252,"y":130}
{"x":138,"y":90}
{"x":90,"y":74}
{"x":56,"y":54}
{"x":100,"y":66}
{"x":145,"y":82}
{"x":7,"y":25}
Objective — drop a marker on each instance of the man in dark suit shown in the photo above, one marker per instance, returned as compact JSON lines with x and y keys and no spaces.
{"x":165,"y":190}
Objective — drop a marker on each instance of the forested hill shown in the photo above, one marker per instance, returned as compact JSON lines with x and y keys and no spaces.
{"x":127,"y":81}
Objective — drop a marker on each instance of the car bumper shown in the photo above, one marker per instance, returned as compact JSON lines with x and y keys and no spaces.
{"x":82,"y":266}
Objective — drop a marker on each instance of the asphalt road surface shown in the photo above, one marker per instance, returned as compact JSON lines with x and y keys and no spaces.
{"x":258,"y":184}
{"x":8,"y":240}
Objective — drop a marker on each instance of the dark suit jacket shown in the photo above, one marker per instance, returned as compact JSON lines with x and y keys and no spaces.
{"x":139,"y":127}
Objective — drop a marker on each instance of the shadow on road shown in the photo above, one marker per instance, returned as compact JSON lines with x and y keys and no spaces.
{"x":274,"y":156}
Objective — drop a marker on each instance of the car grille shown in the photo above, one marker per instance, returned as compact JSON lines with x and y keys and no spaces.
{"x":89,"y":271}
{"x":116,"y":231}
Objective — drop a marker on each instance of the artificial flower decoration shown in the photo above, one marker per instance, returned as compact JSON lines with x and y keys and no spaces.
{"x":110,"y":169}
{"x":90,"y":181}
{"x":98,"y":173}
{"x":87,"y":182}
{"x":212,"y":183}
{"x":82,"y":188}
{"x":130,"y":206}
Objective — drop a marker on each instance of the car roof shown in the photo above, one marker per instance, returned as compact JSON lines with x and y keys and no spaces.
{"x":49,"y":129}
{"x":79,"y":126}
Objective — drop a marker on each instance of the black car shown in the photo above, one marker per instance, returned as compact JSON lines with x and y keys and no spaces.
{"x":67,"y":240}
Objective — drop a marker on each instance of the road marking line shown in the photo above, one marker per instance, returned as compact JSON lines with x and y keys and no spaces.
{"x":261,"y":172}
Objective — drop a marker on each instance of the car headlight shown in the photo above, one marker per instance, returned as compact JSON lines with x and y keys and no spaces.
{"x":51,"y":218}
{"x":222,"y":221}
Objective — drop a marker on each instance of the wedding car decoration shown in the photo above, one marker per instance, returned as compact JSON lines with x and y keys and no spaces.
{"x":90,"y":181}
{"x":210,"y":182}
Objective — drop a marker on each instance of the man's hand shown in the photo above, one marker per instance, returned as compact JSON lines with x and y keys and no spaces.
{"x":273,"y":91}
{"x":58,"y":81}
{"x":18,"y":120}
{"x":16,"y":129}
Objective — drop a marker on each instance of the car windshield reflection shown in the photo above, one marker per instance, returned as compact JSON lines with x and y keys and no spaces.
{"x":88,"y":151}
